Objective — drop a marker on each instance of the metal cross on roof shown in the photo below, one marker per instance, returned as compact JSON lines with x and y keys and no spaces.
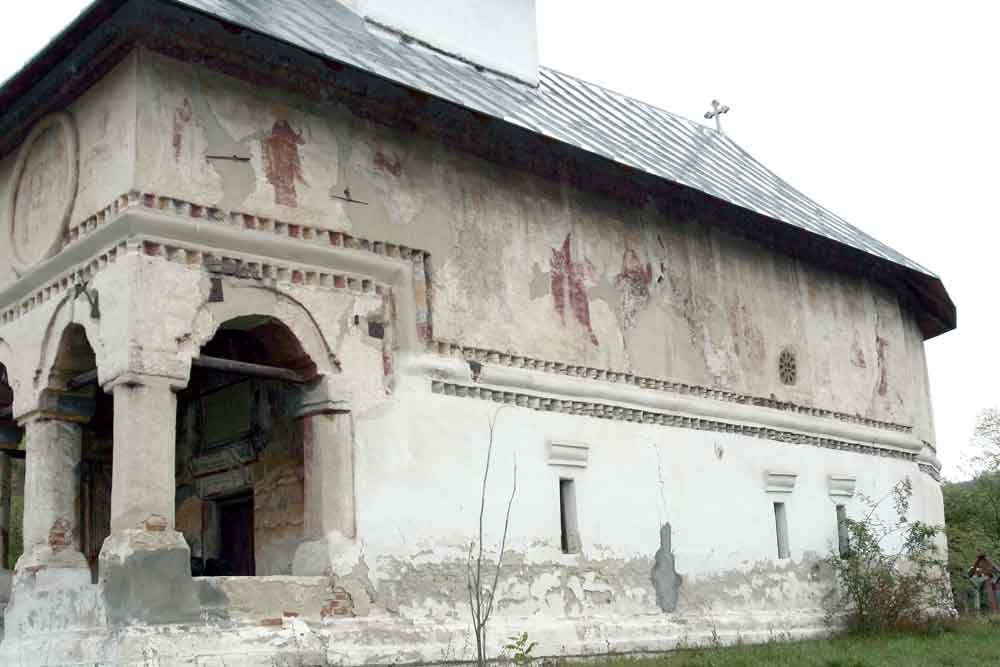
{"x":716,"y":112}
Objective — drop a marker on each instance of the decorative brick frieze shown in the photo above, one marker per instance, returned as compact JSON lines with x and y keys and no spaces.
{"x":281,"y":271}
{"x":484,"y":356}
{"x":201,"y":214}
{"x":61,"y":286}
{"x":619,"y":413}
{"x":238,"y":266}
{"x":229,"y":263}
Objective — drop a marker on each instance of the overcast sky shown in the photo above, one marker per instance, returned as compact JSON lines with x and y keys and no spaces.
{"x":880,"y":111}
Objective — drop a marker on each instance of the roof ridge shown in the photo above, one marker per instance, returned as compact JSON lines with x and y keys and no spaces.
{"x":614,"y":91}
{"x":726,"y":139}
{"x":564,"y":108}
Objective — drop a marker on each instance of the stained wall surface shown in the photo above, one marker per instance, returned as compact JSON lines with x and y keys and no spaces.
{"x":675,"y":517}
{"x":530,"y":267}
{"x":105,"y":126}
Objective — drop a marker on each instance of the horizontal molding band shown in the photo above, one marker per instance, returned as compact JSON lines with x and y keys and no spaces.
{"x":595,"y":392}
{"x":145,"y":225}
{"x":494,"y":357}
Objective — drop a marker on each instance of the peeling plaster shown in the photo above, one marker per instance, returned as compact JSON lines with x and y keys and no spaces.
{"x":666,"y":581}
{"x":238,"y":177}
{"x":664,"y":296}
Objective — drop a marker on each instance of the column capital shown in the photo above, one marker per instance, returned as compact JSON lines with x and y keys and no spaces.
{"x":131,"y":379}
{"x":324,"y":396}
{"x":65,"y":406}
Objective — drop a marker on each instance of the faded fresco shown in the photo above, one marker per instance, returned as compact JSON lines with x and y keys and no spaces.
{"x":632,"y":291}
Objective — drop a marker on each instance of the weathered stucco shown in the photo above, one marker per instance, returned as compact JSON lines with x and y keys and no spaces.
{"x":646,"y":343}
{"x":105,"y":125}
{"x":637,"y":291}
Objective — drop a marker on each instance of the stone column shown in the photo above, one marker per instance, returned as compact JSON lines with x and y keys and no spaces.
{"x":328,"y":444}
{"x":51,"y":494}
{"x":329,"y":474}
{"x":145,"y":448}
{"x":145,"y":565}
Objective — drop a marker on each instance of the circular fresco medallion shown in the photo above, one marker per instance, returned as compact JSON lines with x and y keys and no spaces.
{"x":43,"y":191}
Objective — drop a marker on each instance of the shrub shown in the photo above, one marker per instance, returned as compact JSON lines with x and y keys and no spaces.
{"x":519,"y":648}
{"x":893,"y":576}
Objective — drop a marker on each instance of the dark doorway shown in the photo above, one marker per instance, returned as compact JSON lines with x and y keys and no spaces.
{"x":240,"y":484}
{"x":236,"y":531}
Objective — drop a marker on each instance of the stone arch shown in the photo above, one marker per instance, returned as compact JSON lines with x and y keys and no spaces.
{"x":74,"y":355}
{"x":7,"y":373}
{"x":244,"y":301}
{"x":7,"y":392}
{"x":46,"y":375}
{"x":243,"y":406}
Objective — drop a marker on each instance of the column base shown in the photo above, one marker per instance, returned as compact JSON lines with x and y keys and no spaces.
{"x":312,"y":559}
{"x":146,"y":578}
{"x":51,"y":599}
{"x":46,"y":558}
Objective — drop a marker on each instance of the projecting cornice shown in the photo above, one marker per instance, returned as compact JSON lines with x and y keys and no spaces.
{"x":268,"y":249}
{"x":586,"y":397}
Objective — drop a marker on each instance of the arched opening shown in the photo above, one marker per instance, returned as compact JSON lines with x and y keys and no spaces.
{"x":11,"y":479}
{"x":240,"y":450}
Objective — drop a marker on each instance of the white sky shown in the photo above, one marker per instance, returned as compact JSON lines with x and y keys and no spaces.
{"x":880,"y":111}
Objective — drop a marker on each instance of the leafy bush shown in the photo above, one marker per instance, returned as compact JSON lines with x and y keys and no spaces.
{"x":893,"y":576}
{"x":519,"y":649}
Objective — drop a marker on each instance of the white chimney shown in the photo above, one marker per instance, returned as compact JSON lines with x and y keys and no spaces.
{"x":500,"y":35}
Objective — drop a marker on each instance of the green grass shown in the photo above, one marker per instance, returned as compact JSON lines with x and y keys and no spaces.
{"x":963,"y":643}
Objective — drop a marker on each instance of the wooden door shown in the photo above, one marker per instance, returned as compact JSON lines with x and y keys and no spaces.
{"x":236,"y":531}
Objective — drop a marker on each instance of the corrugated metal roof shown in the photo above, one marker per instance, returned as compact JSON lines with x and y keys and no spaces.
{"x":562,"y":107}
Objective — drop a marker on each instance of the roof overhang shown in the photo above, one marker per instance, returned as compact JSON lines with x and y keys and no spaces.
{"x":109,"y":29}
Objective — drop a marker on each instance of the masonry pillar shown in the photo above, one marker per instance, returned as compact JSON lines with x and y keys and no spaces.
{"x":145,"y":447}
{"x":329,"y":474}
{"x":145,"y":565}
{"x":51,"y":494}
{"x":52,"y":575}
{"x":328,"y":443}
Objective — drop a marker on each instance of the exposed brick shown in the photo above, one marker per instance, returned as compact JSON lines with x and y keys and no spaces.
{"x":156,"y":524}
{"x":340,"y":605}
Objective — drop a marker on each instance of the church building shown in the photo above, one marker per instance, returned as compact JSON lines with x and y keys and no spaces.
{"x":275,"y":277}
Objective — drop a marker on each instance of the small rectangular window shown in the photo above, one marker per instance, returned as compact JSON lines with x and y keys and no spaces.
{"x":781,"y":529}
{"x":570,"y":533}
{"x":843,"y":537}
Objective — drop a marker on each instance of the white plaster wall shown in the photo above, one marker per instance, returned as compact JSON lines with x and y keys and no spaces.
{"x":419,"y":470}
{"x":710,"y":309}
